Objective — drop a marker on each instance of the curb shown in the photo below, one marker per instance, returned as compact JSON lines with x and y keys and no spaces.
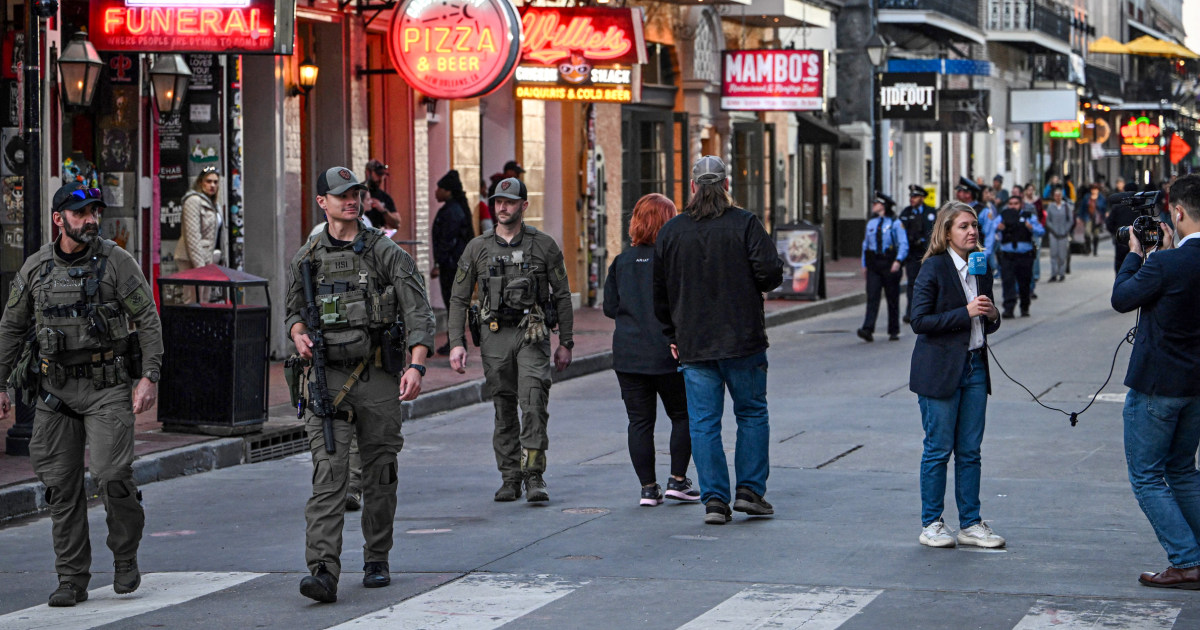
{"x":28,"y":498}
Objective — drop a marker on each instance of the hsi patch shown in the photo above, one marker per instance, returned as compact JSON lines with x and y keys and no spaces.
{"x":15,"y":290}
{"x":460,"y":275}
{"x":137,"y":301}
{"x":560,"y":272}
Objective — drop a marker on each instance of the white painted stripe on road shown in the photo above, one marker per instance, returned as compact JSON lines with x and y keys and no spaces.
{"x":1100,"y":613}
{"x":774,"y":606}
{"x":476,"y":602}
{"x":158,"y":590}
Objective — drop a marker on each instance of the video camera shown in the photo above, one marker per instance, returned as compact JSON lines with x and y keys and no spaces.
{"x":1147,"y":226}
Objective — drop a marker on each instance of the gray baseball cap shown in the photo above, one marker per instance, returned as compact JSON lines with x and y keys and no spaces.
{"x":337,"y":180}
{"x":709,"y":169}
{"x":511,"y":188}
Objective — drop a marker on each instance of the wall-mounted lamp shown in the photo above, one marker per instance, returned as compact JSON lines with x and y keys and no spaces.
{"x":308,"y":77}
{"x":169,"y":78}
{"x":79,"y":69}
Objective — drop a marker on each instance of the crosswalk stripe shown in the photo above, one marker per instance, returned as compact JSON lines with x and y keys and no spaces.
{"x":1100,"y":613}
{"x":476,"y":602}
{"x":158,"y":590}
{"x":774,"y":606}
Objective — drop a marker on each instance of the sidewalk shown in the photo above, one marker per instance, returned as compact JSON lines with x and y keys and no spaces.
{"x":163,"y":455}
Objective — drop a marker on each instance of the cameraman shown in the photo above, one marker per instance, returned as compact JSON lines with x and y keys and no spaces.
{"x":1162,"y":409}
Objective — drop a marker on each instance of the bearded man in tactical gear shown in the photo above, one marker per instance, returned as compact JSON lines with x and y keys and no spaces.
{"x":364,"y":286}
{"x":68,"y":316}
{"x":523,"y":293}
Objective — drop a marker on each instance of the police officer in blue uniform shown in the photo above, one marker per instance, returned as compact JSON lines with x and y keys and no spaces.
{"x":918,"y":219}
{"x":885,"y":248}
{"x":1014,"y":231}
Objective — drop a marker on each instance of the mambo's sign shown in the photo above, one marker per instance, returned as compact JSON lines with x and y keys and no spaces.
{"x":908,"y":95}
{"x":225,"y":26}
{"x":766,"y":80}
{"x":455,"y":49}
{"x":579,"y":54}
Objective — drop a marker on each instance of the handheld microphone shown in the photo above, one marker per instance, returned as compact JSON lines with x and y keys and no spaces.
{"x":977,"y":264}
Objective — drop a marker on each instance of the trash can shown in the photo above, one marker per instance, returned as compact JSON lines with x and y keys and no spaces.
{"x":215,"y":360}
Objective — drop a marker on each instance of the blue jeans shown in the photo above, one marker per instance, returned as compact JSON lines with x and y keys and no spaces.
{"x":746,"y":378}
{"x":954,"y":425}
{"x":1161,"y":436}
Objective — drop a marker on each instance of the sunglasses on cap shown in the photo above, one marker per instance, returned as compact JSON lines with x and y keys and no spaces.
{"x":87,"y":193}
{"x":209,"y":170}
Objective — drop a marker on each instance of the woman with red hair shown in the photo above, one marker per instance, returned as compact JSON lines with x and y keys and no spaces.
{"x":642,"y":356}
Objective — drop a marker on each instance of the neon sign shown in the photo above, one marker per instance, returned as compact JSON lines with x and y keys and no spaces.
{"x":579,"y":54}
{"x":455,"y":49}
{"x":1140,"y":137}
{"x":227,"y":26}
{"x":1062,"y":128}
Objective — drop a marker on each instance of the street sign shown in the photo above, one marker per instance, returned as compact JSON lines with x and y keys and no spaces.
{"x":773,"y":80}
{"x":1178,"y":148}
{"x":908,"y":95}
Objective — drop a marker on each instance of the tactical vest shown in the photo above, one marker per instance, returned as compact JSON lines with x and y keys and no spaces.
{"x":514,"y":282}
{"x":1015,"y":230}
{"x":356,"y":302}
{"x":76,"y":322}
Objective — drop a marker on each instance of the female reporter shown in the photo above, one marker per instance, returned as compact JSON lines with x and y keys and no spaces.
{"x":952,"y":314}
{"x":642,"y":356}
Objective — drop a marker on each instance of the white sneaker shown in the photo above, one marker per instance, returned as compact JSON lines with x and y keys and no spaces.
{"x":936,"y":535}
{"x":980,"y":535}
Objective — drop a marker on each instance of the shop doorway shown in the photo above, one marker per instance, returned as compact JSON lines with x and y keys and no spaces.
{"x":753,"y":180}
{"x":655,"y":159}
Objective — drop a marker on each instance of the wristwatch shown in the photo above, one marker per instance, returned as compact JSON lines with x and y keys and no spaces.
{"x":568,"y":344}
{"x":418,"y":367}
{"x":151,"y":375}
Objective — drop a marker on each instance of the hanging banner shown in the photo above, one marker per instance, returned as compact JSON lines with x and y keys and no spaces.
{"x":1139,"y":136}
{"x":579,"y":54}
{"x":455,"y":50}
{"x":177,"y":26}
{"x":908,"y":95}
{"x":773,"y":80}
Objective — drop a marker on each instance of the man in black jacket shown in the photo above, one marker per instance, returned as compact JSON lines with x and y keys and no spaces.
{"x":1162,"y":408}
{"x":452,"y":230}
{"x":712,"y":263}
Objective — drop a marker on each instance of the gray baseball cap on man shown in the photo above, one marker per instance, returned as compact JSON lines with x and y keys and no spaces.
{"x":511,"y":188}
{"x":337,"y":180}
{"x":709,"y":169}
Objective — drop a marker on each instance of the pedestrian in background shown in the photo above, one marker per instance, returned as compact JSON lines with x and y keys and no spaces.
{"x":1015,"y":231}
{"x":379,"y":208}
{"x":918,"y":220}
{"x":200,"y":231}
{"x":998,"y":191}
{"x":1091,"y":209}
{"x":1034,"y":204}
{"x":646,"y":370}
{"x":1060,"y":220}
{"x":953,"y":315}
{"x":712,"y":263}
{"x":1162,"y":408}
{"x":452,"y":230}
{"x":884,"y":250}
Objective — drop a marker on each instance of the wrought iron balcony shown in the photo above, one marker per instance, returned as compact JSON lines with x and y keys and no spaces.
{"x":1103,"y":81}
{"x":1029,"y":15}
{"x":965,"y":11}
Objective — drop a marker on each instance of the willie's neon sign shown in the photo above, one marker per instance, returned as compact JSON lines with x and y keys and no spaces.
{"x":247,"y":26}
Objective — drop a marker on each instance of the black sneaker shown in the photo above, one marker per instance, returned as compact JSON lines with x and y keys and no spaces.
{"x":376,"y":575}
{"x":321,"y":585}
{"x":895,"y":337}
{"x":535,"y":488}
{"x":126,"y":578}
{"x":752,"y":504}
{"x":1024,"y":313}
{"x":716,"y":512}
{"x":354,"y":500}
{"x":651,"y":495}
{"x":865,"y":335}
{"x":68,"y":594}
{"x":509,"y":491}
{"x":682,"y":490}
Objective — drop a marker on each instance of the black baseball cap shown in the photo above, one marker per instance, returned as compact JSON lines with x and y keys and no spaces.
{"x":512,"y":165}
{"x":74,"y":196}
{"x":337,"y":180}
{"x":375,"y":166}
{"x":511,"y":188}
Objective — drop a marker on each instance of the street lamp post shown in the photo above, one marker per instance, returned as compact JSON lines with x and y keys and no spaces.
{"x":878,"y":49}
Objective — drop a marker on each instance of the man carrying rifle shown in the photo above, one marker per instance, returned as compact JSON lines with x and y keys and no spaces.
{"x":354,"y":292}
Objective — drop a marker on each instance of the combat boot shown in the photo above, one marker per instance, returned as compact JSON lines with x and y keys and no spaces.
{"x":376,"y":574}
{"x":509,"y":491}
{"x":126,"y":578}
{"x":321,"y":585}
{"x":535,"y":488}
{"x":68,"y":594}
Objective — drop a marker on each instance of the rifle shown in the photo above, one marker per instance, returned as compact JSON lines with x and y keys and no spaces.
{"x":318,"y":392}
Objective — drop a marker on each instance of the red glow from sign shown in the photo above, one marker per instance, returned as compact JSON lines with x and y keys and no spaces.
{"x":610,"y":35}
{"x":1062,"y":128}
{"x":1139,"y":136}
{"x":249,"y":28}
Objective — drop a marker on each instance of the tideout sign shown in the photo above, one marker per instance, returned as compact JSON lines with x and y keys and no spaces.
{"x":773,"y":80}
{"x":1139,"y":136}
{"x":455,"y":49}
{"x":908,"y":95}
{"x":224,"y":26}
{"x":579,"y":54}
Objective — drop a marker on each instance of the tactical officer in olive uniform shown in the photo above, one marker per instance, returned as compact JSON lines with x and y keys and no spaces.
{"x":68,"y":316}
{"x":523,"y":293}
{"x":918,"y":219}
{"x":364,"y":285}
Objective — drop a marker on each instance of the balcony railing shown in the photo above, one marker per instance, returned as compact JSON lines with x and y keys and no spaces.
{"x":1028,"y":15}
{"x":1104,"y":81}
{"x":966,"y":11}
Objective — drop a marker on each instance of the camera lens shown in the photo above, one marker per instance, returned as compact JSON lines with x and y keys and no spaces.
{"x":1123,"y":236}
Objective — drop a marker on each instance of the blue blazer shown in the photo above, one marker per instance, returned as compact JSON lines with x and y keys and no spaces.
{"x":939,"y":317}
{"x":1166,"y":351}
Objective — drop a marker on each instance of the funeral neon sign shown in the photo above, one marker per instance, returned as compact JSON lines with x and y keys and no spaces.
{"x":233,"y":26}
{"x":1139,"y":136}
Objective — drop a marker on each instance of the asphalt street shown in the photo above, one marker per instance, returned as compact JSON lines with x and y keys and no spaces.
{"x":225,"y":549}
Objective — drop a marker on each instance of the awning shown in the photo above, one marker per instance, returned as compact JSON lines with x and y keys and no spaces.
{"x":783,"y":13}
{"x":1153,"y":47}
{"x":813,"y":130}
{"x":1108,"y":46}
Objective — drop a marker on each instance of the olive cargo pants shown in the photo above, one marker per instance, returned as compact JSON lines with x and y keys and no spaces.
{"x":517,"y":372}
{"x":56,"y":450}
{"x":377,"y":419}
